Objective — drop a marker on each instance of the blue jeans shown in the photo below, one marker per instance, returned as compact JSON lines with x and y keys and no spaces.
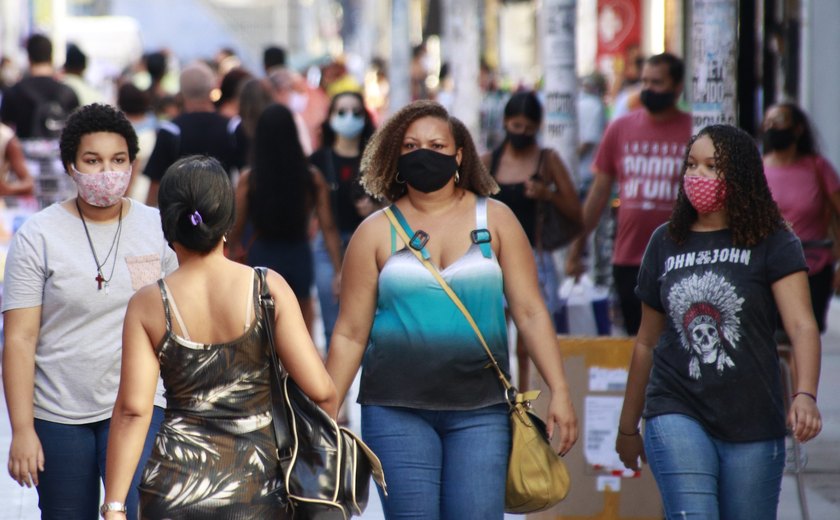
{"x":548,"y":280}
{"x":706,"y":478}
{"x":446,"y":465}
{"x":324,"y":273}
{"x":74,"y":463}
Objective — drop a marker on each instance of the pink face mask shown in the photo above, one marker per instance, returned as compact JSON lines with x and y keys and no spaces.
{"x":705,"y":194}
{"x":101,"y":189}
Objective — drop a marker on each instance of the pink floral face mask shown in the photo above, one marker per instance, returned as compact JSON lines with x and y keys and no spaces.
{"x":705,"y":194}
{"x":101,"y":189}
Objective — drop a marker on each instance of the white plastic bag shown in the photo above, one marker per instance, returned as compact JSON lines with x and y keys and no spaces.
{"x":584,"y":308}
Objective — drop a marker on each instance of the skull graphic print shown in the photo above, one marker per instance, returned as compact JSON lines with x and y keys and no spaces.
{"x":704,"y":310}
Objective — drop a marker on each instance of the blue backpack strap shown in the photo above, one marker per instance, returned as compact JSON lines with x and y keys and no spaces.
{"x":418,"y":239}
{"x":481,"y":235}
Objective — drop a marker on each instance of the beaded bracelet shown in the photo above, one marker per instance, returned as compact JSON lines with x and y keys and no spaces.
{"x":629,"y":434}
{"x":809,"y":394}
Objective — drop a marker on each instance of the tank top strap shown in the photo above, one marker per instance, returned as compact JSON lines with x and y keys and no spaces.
{"x":165,"y":298}
{"x":252,"y":303}
{"x":481,"y":235}
{"x":184,"y":333}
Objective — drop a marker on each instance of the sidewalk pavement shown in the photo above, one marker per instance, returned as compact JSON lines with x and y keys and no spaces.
{"x":821,"y":475}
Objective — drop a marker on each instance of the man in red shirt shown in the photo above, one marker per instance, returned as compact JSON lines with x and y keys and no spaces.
{"x":643,"y":152}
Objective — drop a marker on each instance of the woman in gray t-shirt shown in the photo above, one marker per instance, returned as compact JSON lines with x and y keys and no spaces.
{"x":70,"y":272}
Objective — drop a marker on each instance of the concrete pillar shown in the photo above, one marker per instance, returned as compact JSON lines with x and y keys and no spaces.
{"x":556,"y":20}
{"x":462,"y":53}
{"x":820,"y":73}
{"x":398,"y":68}
{"x":713,"y":67}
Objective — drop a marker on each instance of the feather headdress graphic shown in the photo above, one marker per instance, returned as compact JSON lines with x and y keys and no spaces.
{"x":704,"y":310}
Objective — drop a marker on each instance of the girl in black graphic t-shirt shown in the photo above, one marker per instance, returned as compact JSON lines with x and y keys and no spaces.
{"x":705,"y":372}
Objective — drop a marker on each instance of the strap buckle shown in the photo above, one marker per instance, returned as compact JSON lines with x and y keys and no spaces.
{"x":419,"y":240}
{"x":480,"y":236}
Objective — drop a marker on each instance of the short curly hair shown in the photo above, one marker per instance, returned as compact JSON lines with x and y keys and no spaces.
{"x":93,"y":118}
{"x":379,"y":161}
{"x":751,"y":211}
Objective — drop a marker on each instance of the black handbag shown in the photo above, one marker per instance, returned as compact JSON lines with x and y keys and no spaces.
{"x":326,"y":468}
{"x":554,"y":230}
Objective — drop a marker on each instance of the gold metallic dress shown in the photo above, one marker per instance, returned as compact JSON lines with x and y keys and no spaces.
{"x":214,"y":457}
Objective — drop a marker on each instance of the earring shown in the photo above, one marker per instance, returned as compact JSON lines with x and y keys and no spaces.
{"x":224,"y":239}
{"x":457,"y":177}
{"x":399,"y":179}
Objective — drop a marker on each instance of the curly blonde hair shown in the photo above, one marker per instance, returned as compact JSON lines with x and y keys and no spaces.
{"x":379,"y":161}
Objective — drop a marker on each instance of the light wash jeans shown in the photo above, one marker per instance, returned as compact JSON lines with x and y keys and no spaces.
{"x":706,"y":478}
{"x":323,"y":282}
{"x":441,"y":465}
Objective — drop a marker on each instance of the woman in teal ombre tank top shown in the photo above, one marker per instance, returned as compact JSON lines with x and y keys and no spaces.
{"x":432,"y":410}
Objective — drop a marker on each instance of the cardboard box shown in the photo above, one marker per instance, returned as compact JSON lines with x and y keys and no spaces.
{"x":601,"y":488}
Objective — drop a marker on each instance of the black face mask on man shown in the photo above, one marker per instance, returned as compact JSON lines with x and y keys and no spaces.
{"x":657,"y":102}
{"x":426,"y":170}
{"x":778,"y":138}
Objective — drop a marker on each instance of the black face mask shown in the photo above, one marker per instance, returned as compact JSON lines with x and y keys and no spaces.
{"x":656,"y":102}
{"x":521,"y":141}
{"x":426,"y":170}
{"x":778,"y":138}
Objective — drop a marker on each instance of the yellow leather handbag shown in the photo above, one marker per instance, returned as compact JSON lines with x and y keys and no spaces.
{"x":537,"y":477}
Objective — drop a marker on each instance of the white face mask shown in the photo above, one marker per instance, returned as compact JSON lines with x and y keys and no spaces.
{"x":297,"y":102}
{"x":347,"y":125}
{"x":101,"y":189}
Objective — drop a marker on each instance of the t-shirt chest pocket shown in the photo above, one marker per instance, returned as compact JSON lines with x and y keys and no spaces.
{"x":143,"y":269}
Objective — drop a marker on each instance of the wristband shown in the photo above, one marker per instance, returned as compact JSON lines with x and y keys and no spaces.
{"x":809,"y":394}
{"x":629,"y":434}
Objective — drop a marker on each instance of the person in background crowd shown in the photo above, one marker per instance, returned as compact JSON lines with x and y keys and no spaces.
{"x":12,"y":161}
{"x":229,"y":89}
{"x":70,"y":272}
{"x":199,"y":130}
{"x":275,"y":202}
{"x":156,"y":66}
{"x":528,"y":175}
{"x":136,"y":106}
{"x":807,"y":189}
{"x":705,"y":373}
{"x":344,"y":135}
{"x":75,"y":64}
{"x":432,"y":410}
{"x":274,"y":57}
{"x":215,"y":455}
{"x":592,"y":121}
{"x":37,"y":106}
{"x":641,"y":152}
{"x":626,"y":92}
{"x":286,"y":89}
{"x":254,"y":97}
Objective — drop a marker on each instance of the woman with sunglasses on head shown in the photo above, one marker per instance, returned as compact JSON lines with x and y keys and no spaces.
{"x":432,"y":409}
{"x":807,"y":189}
{"x":70,"y":272}
{"x":344,"y":135}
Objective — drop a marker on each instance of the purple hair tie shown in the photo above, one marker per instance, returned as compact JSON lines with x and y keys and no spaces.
{"x":195,"y":218}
